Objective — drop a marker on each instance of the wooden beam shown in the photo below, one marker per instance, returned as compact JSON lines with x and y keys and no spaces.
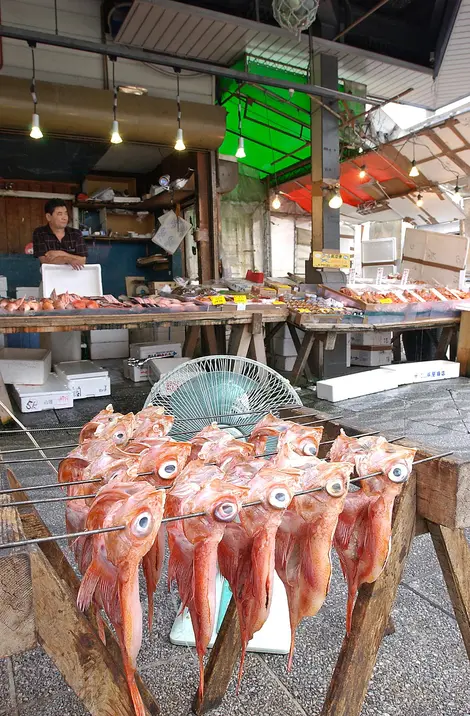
{"x":447,"y":152}
{"x":5,"y":398}
{"x":17,"y":625}
{"x":358,"y":655}
{"x":463,"y":346}
{"x":204,"y":233}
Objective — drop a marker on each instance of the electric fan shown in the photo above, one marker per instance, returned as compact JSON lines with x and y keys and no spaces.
{"x":236,"y":393}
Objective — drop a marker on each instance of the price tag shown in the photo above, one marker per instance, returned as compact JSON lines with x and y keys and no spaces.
{"x":239,"y":299}
{"x":241,"y":306}
{"x":322,"y":259}
{"x":217,"y":300}
{"x":386,"y":300}
{"x":379,"y":277}
{"x":278,"y":303}
{"x":352,"y":276}
{"x":404,"y":278}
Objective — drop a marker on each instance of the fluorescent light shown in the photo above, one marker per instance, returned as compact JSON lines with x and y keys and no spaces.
{"x":35,"y":132}
{"x":363,"y":173}
{"x":179,"y":145}
{"x":133,"y":89}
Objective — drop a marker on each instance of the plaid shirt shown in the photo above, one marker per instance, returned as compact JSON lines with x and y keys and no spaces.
{"x":45,"y":240}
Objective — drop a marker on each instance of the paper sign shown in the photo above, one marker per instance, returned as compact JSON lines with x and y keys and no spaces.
{"x":217,"y":300}
{"x":386,"y":300}
{"x":404,"y":277}
{"x":322,"y":259}
{"x":239,"y":299}
{"x":379,"y":277}
{"x":278,"y":303}
{"x":241,"y":306}
{"x":352,"y":276}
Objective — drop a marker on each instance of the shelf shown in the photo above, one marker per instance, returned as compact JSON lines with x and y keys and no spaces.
{"x":122,"y":239}
{"x":162,"y":201}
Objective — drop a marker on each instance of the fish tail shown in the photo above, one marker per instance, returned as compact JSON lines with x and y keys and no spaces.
{"x":350,"y":609}
{"x":88,"y":586}
{"x":201,"y":677}
{"x":241,"y":667}
{"x":139,"y":707}
{"x":291,"y":651}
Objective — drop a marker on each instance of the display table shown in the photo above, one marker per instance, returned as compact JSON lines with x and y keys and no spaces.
{"x":322,"y":337}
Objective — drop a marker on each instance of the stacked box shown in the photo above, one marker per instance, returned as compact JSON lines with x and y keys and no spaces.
{"x":109,"y":343}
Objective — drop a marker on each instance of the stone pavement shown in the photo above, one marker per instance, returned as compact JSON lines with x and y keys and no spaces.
{"x":422,"y":670}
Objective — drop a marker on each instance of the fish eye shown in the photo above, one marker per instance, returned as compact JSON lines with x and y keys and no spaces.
{"x":279,"y":498}
{"x":334,"y":487}
{"x":168,"y":469}
{"x":225,"y":512}
{"x":142,"y":524}
{"x":399,"y":473}
{"x":120,"y":436}
{"x":309,"y":448}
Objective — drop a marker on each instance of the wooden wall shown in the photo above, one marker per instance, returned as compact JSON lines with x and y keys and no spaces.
{"x":20,"y":216}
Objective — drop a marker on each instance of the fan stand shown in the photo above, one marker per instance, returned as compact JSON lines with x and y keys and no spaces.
{"x":273,"y":638}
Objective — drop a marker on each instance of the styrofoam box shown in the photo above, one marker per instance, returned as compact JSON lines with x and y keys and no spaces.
{"x":84,"y":378}
{"x":86,"y":282}
{"x":27,"y":292}
{"x":283,"y":344}
{"x":3,"y":287}
{"x":424,"y":371}
{"x":356,"y":385}
{"x":110,"y":335}
{"x":285,"y":363}
{"x":20,"y":364}
{"x":377,"y":251}
{"x":136,"y":373}
{"x":53,"y":395}
{"x":159,"y":367}
{"x":117,"y":349}
{"x":376,"y":338}
{"x":152,"y":350}
{"x":371,"y":359}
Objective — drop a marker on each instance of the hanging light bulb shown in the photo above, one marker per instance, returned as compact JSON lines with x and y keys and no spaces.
{"x":414,"y":171}
{"x":276,"y":202}
{"x":35,"y":132}
{"x":457,"y":194}
{"x":419,"y":200}
{"x":336,"y":200}
{"x":240,"y":153}
{"x":179,"y":144}
{"x":361,"y":150}
{"x":363,"y":173}
{"x":115,"y":136}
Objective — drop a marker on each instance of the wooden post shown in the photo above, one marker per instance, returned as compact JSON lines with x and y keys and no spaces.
{"x":5,"y":398}
{"x":348,"y":686}
{"x":302,"y":356}
{"x":257,"y":338}
{"x":190,"y":342}
{"x":204,"y":234}
{"x":298,"y":346}
{"x":463,"y":346}
{"x":240,"y":339}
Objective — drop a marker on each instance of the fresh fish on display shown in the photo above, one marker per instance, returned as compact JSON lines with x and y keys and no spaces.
{"x":246,"y":552}
{"x":152,"y":421}
{"x":362,"y":537}
{"x":163,"y":460}
{"x":103,"y":417}
{"x":268,"y":427}
{"x":345,"y":448}
{"x":226,"y":453}
{"x":113,"y":571}
{"x":305,"y":538}
{"x":298,"y":446}
{"x":242,"y":472}
{"x":193,"y":543}
{"x":210,"y":434}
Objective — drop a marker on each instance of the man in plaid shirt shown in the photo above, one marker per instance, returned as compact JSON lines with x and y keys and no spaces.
{"x":56,"y":242}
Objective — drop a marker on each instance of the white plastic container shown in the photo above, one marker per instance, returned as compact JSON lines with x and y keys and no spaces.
{"x":27,"y":292}
{"x":152,"y":350}
{"x":424,"y":371}
{"x":21,"y":365}
{"x":110,"y":335}
{"x":3,"y":286}
{"x":84,"y":378}
{"x":371,"y":358}
{"x":356,"y":385}
{"x":86,"y":282}
{"x":53,"y":395}
{"x":378,"y":251}
{"x":159,"y":367}
{"x":115,"y":349}
{"x":135,"y":373}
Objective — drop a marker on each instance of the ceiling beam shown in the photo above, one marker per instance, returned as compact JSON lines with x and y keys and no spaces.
{"x":164,"y":60}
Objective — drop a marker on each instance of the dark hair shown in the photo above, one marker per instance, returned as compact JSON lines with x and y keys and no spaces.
{"x":53,"y":204}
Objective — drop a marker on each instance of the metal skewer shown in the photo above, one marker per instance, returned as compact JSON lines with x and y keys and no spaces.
{"x":50,"y":486}
{"x":253,"y":423}
{"x":85,"y":533}
{"x":45,"y":447}
{"x":42,"y":430}
{"x":18,"y":422}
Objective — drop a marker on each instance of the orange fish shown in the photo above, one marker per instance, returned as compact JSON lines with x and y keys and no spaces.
{"x":212,"y":434}
{"x":152,"y":421}
{"x":268,"y":427}
{"x":362,"y":537}
{"x":345,"y":448}
{"x":193,"y":543}
{"x":246,"y":553}
{"x":226,"y":453}
{"x":305,"y":538}
{"x":115,"y":563}
{"x":103,"y":417}
{"x":297,"y":447}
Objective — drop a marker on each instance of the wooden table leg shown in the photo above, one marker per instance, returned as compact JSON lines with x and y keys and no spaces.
{"x":463,"y":346}
{"x":297,"y":346}
{"x":302,"y":356}
{"x":396,"y":346}
{"x":240,"y":339}
{"x":221,"y":337}
{"x":257,"y":347}
{"x":453,"y":553}
{"x":221,"y":663}
{"x":210,"y":340}
{"x":356,"y":661}
{"x":4,"y":397}
{"x":444,"y":340}
{"x":190,"y":342}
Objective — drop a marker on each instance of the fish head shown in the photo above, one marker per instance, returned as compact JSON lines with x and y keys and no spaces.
{"x":118,"y":431}
{"x":221,"y":503}
{"x":275,"y":489}
{"x":226,"y":452}
{"x":394,"y":463}
{"x":137,"y":507}
{"x":72,"y":469}
{"x":209,"y":434}
{"x":152,"y":422}
{"x":303,"y":439}
{"x":242,"y":472}
{"x":330,"y":480}
{"x":115,"y":471}
{"x":165,"y":459}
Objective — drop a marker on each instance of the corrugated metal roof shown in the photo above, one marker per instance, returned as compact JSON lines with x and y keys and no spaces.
{"x":190,"y":31}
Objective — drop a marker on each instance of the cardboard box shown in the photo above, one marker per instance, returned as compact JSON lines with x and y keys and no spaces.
{"x":356,"y":385}
{"x":424,"y":371}
{"x":153,"y":350}
{"x":84,"y":378}
{"x":18,"y":365}
{"x":378,"y":338}
{"x":431,"y":259}
{"x":135,"y":373}
{"x":54,"y":394}
{"x":115,"y":349}
{"x":371,"y":358}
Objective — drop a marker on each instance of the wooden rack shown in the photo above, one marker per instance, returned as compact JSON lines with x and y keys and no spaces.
{"x":38,"y":593}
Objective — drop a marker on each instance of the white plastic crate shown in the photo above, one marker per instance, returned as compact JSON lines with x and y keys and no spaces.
{"x":378,"y":251}
{"x":84,"y":378}
{"x":86,"y":282}
{"x":53,"y":395}
{"x":153,"y":350}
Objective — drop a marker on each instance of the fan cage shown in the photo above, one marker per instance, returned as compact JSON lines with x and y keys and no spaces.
{"x":295,"y":15}
{"x":234,"y":392}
